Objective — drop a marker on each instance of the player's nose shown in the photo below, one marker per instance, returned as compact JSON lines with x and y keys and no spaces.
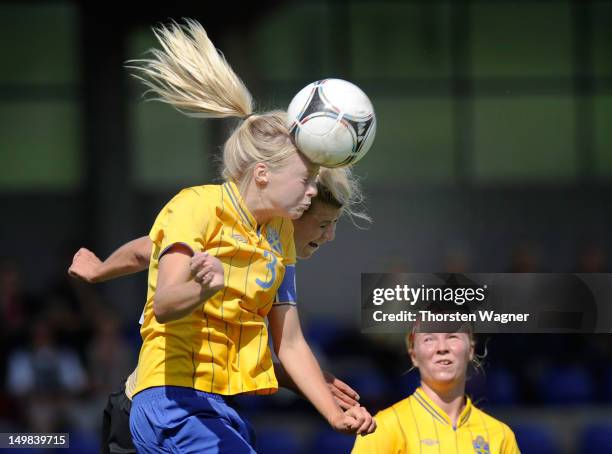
{"x":311,"y":189}
{"x":442,"y":345}
{"x":330,"y":232}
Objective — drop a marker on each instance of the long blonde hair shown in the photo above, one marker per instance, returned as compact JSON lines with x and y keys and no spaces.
{"x":340,"y":188}
{"x":192,"y":76}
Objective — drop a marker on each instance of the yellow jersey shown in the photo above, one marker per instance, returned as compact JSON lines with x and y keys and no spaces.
{"x":418,"y":425}
{"x":221,"y":347}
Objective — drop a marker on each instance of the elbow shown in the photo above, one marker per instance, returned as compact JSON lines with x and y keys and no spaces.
{"x":288,"y":348}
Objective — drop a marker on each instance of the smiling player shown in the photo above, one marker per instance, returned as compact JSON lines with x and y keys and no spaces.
{"x":438,"y":416}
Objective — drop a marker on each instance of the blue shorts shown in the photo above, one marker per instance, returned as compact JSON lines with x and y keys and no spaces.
{"x":174,"y":419}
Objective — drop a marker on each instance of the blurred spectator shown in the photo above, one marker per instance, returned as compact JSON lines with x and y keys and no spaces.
{"x":16,"y":305}
{"x":44,"y":377}
{"x":592,"y":259}
{"x":16,"y":308}
{"x":109,"y":357}
{"x":525,"y":258}
{"x":456,"y":259}
{"x":74,"y":306}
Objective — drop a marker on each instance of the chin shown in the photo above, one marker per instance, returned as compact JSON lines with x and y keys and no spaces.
{"x":445,"y":377}
{"x":304,"y":255}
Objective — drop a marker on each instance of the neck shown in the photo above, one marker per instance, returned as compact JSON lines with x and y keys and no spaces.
{"x":450,"y":399}
{"x":256,"y":205}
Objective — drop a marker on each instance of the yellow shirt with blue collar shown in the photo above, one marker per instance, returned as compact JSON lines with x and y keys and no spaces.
{"x":417,"y":425}
{"x":222,"y":346}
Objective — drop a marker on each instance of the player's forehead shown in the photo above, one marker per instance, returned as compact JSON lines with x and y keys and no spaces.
{"x":439,"y":334}
{"x":324,"y":212}
{"x":312,"y":169}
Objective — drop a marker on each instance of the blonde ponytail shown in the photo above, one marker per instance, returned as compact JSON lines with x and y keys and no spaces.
{"x":191,"y":75}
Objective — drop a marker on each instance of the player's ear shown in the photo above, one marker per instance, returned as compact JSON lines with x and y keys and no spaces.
{"x":413,"y":358}
{"x":261,"y":174}
{"x":472,"y":348}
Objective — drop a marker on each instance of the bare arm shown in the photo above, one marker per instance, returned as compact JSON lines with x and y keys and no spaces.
{"x":178,"y":294}
{"x":303,"y":368}
{"x":345,"y":396}
{"x":130,"y":258}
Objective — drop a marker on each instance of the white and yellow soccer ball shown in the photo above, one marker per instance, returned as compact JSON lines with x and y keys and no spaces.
{"x":332,"y":122}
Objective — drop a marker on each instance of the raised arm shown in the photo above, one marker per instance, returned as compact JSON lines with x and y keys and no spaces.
{"x":179,"y":292}
{"x":130,"y":258}
{"x":303,"y":369}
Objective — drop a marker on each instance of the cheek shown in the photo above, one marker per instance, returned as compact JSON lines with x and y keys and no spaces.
{"x":421,"y":355}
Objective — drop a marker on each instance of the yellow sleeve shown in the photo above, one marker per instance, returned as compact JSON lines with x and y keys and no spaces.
{"x":382,"y":441}
{"x":287,"y":241}
{"x":510,"y":446}
{"x":184,"y":220}
{"x":280,"y":236}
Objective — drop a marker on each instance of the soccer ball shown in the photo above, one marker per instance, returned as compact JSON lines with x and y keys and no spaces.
{"x":332,"y":122}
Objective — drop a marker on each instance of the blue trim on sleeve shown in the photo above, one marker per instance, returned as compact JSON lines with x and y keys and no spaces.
{"x":286,"y":291}
{"x":173,"y":244}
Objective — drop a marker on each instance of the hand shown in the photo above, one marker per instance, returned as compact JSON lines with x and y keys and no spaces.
{"x":356,"y":420}
{"x":85,"y":266}
{"x":207,"y":270}
{"x":345,"y":396}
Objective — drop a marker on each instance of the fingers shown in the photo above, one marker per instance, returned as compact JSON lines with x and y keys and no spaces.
{"x":342,"y":399}
{"x":346,"y":389}
{"x":365,"y":428}
{"x":200,"y":266}
{"x":359,"y":418}
{"x":82,"y":257}
{"x":204,"y":278}
{"x":198,"y":260}
{"x":206,"y":269}
{"x":372,"y":428}
{"x":202,"y":273}
{"x":347,"y":425}
{"x":364,"y":423}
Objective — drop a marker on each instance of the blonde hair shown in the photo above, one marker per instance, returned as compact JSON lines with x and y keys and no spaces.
{"x":192,"y":76}
{"x":339,"y":187}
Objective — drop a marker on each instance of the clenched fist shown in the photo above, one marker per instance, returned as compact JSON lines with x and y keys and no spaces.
{"x":85,"y":266}
{"x":207,"y":270}
{"x":355,"y":421}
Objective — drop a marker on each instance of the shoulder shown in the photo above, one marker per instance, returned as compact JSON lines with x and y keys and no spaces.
{"x":493,"y":425}
{"x":200,"y":192}
{"x":391,"y":416}
{"x":279,"y":233}
{"x":189,"y":213}
{"x":283,"y":227}
{"x":390,"y":434}
{"x":196,"y":197}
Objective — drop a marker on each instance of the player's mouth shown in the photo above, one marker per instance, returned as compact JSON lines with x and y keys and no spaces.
{"x":444,"y":362}
{"x":313,"y":245}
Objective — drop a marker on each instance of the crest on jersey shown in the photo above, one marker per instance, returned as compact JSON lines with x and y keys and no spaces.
{"x":480,"y":445}
{"x":274,"y":240}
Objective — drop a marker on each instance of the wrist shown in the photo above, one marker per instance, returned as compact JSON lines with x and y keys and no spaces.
{"x":334,"y":415}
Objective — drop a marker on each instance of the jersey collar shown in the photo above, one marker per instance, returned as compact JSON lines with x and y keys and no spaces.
{"x":439,"y":414}
{"x":236,"y":200}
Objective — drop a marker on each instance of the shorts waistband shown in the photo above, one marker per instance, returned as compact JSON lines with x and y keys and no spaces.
{"x":165,"y":392}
